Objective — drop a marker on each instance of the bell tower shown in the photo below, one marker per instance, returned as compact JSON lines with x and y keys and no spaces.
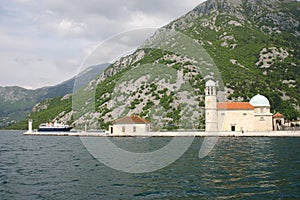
{"x":211,"y":114}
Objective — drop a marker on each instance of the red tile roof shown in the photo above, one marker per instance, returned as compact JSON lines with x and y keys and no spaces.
{"x":234,"y":106}
{"x":278,"y":115}
{"x":131,"y":120}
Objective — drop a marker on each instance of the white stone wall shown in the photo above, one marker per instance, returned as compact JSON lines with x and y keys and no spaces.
{"x":125,"y":129}
{"x":263,"y":119}
{"x":211,"y":116}
{"x":245,"y":120}
{"x":242,"y":120}
{"x":263,"y":122}
{"x":211,"y":120}
{"x":262,"y":110}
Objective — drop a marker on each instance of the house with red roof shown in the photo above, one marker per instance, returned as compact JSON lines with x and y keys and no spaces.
{"x":278,"y":121}
{"x":130,"y":125}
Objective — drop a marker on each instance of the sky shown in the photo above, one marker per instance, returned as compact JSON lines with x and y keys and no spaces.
{"x":44,"y":42}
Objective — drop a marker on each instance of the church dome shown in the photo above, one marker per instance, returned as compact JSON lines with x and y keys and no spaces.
{"x":260,"y":101}
{"x":210,"y":83}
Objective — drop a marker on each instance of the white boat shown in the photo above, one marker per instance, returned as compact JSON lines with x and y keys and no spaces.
{"x":58,"y":127}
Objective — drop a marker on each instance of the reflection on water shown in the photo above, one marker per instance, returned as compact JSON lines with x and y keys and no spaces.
{"x":60,"y":168}
{"x":140,"y":144}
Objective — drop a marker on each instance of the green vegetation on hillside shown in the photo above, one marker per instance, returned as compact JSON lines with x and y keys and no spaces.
{"x":255,"y":48}
{"x":55,"y":106}
{"x":247,"y":79}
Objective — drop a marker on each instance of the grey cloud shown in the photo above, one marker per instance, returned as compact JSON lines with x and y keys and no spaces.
{"x":107,"y":16}
{"x":51,"y":37}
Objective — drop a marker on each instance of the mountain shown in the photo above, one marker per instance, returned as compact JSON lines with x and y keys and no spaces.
{"x":248,"y":46}
{"x":255,"y":45}
{"x":16,"y":102}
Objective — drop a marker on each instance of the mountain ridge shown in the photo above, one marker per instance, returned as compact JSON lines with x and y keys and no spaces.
{"x":254,"y":44}
{"x":17,"y":102}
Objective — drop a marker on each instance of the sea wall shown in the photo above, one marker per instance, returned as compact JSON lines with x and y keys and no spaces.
{"x":173,"y":134}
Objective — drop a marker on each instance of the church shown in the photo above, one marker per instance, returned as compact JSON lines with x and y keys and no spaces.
{"x":236,"y":116}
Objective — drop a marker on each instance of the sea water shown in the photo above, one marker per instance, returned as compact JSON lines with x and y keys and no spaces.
{"x":45,"y":167}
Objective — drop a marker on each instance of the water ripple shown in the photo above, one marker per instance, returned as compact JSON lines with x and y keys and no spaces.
{"x":61,"y":168}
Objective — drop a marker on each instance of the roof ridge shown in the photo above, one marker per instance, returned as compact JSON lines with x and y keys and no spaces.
{"x":278,"y":115}
{"x":131,"y":119}
{"x":234,"y":106}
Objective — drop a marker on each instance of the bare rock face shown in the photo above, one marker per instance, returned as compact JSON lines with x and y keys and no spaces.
{"x":217,"y":25}
{"x":269,"y":14}
{"x":40,"y":106}
{"x":13,"y":94}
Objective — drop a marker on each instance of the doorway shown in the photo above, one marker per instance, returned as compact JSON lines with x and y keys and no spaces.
{"x":232,"y":128}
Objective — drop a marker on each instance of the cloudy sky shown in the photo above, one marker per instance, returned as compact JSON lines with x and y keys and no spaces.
{"x":43,"y":42}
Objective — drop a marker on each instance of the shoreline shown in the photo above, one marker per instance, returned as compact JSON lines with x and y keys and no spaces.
{"x":172,"y":134}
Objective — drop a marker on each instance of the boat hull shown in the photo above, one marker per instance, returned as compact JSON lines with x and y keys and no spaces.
{"x":54,"y":129}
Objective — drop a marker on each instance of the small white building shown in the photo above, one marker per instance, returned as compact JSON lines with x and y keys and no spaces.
{"x":236,"y":116}
{"x":278,"y":121}
{"x":130,"y":125}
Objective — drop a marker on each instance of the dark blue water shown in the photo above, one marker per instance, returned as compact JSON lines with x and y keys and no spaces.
{"x":34,"y":167}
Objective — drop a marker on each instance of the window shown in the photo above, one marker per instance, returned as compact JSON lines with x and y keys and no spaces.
{"x":262,"y":119}
{"x":134,"y":129}
{"x":244,"y":114}
{"x":123,"y":129}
